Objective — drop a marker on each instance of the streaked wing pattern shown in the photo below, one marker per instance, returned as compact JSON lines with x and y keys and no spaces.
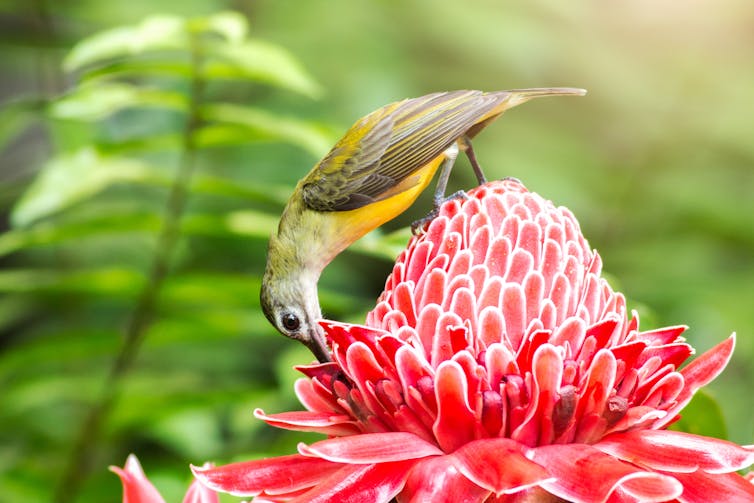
{"x":390,"y":144}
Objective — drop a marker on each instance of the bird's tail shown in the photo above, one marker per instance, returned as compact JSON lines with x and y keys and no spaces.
{"x":514,"y":97}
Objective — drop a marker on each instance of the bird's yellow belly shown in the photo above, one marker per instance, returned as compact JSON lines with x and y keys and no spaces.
{"x":353,"y":224}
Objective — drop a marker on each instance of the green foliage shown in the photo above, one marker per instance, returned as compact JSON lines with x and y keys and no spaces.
{"x":111,"y":244}
{"x":73,"y":178}
{"x":16,"y":116}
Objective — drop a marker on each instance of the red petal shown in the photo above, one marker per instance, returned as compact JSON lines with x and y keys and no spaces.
{"x":319,"y":371}
{"x":629,"y":352}
{"x":403,"y":301}
{"x":136,"y":486}
{"x":426,"y":326}
{"x":534,"y":288}
{"x":560,"y":295}
{"x":498,"y":256}
{"x":377,"y":483}
{"x":449,"y":326}
{"x":199,"y":493}
{"x":363,"y":364}
{"x":573,"y":331}
{"x":463,"y":304}
{"x":490,"y":328}
{"x":315,"y":396}
{"x":281,"y":475}
{"x":552,"y":254}
{"x":584,"y":474}
{"x":480,"y":241}
{"x":281,"y":498}
{"x":547,"y":371}
{"x":329,"y":424}
{"x":709,"y":365}
{"x":674,"y":451}
{"x":662,"y":336}
{"x":599,"y":381}
{"x":514,"y":312}
{"x":490,"y":296}
{"x":450,"y":244}
{"x":698,"y":373}
{"x":371,"y":448}
{"x":530,"y":239}
{"x":499,"y":361}
{"x":436,"y":479}
{"x":498,"y":465}
{"x":456,"y":423}
{"x":702,"y":487}
{"x":432,"y":286}
{"x":646,"y":489}
{"x":674,"y":354}
{"x":417,"y":263}
{"x":436,"y":231}
{"x":461,"y":263}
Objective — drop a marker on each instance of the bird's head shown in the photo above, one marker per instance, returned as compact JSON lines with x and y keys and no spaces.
{"x":290,"y":303}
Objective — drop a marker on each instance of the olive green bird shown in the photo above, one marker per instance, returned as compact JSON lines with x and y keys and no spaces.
{"x":371,"y":175}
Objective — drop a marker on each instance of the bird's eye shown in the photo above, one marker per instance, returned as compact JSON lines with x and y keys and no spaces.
{"x":290,"y":322}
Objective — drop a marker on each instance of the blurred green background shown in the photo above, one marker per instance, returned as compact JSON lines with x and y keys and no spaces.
{"x":137,"y":194}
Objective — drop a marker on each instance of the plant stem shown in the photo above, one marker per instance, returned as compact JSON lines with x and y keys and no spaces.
{"x":84,"y":448}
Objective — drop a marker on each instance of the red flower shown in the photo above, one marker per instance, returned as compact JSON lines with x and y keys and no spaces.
{"x":138,"y":489}
{"x":498,"y":365}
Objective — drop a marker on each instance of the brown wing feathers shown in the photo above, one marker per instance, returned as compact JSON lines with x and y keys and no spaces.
{"x":404,"y":136}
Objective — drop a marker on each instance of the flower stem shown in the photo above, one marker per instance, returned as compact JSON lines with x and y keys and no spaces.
{"x":84,"y":448}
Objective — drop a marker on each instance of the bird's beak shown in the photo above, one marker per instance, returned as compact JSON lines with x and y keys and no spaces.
{"x":316,"y":344}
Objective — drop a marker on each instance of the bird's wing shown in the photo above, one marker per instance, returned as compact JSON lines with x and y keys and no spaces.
{"x":390,"y":144}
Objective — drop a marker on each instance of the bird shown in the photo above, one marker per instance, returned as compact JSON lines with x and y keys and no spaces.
{"x":371,"y":175}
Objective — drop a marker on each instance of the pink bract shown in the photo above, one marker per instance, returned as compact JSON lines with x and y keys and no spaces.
{"x":498,"y":365}
{"x":138,"y":489}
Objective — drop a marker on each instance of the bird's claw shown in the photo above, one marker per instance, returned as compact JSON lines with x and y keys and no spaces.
{"x":418,"y":226}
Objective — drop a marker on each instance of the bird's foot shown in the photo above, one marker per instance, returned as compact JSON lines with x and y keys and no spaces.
{"x":418,"y":226}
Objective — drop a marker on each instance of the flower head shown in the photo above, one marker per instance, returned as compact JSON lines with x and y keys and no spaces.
{"x":498,"y":365}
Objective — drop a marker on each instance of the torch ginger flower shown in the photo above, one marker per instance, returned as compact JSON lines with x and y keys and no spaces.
{"x":497,"y":366}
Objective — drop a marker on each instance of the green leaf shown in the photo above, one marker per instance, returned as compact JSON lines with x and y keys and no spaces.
{"x":170,"y":65}
{"x":267,"y":193}
{"x":72,"y":178}
{"x":247,"y":123}
{"x":124,"y":221}
{"x":259,"y":61}
{"x":211,"y":289}
{"x":702,"y":416}
{"x":51,"y":233}
{"x":13,"y":310}
{"x":159,"y":32}
{"x":252,"y":223}
{"x":230,"y":25}
{"x":81,"y":343}
{"x":103,"y":281}
{"x":166,"y":142}
{"x":95,"y":101}
{"x":17,"y":116}
{"x":41,"y":392}
{"x":260,"y":123}
{"x":195,"y":433}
